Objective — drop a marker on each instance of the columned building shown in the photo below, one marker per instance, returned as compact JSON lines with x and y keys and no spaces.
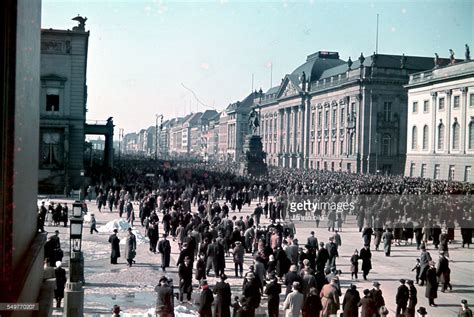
{"x":441,"y":123}
{"x":341,"y":116}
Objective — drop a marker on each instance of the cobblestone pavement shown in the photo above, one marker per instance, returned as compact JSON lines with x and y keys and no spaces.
{"x":133,"y":288}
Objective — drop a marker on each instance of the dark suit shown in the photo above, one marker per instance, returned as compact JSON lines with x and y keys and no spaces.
{"x":205,"y":303}
{"x":401,"y":299}
{"x":223,"y":299}
{"x":115,"y":248}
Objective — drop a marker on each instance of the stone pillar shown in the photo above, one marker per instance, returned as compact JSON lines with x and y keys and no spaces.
{"x":434,"y":125}
{"x":109,"y":150}
{"x":74,"y":293}
{"x":358,"y":127}
{"x":464,"y":123}
{"x":448,"y":120}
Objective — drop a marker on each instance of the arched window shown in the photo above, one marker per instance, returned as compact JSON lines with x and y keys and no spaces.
{"x":414,"y":138}
{"x":425,"y":137}
{"x":386,"y":145}
{"x":441,"y":136}
{"x":456,"y":134}
{"x":471,"y":136}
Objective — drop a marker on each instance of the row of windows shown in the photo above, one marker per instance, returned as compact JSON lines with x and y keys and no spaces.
{"x":456,"y":133}
{"x":467,"y":177}
{"x":441,"y":104}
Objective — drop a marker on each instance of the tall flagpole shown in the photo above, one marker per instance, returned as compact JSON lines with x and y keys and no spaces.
{"x":271,"y":74}
{"x":377,"y":36}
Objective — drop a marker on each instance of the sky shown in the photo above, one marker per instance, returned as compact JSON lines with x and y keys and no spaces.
{"x":176,"y":57}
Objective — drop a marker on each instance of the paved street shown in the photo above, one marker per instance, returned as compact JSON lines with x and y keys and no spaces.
{"x":132,"y":288}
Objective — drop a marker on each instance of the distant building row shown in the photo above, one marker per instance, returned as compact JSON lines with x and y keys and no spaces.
{"x":331,"y":114}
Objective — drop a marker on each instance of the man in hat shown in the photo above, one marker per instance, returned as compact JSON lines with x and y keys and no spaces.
{"x":312,"y":241}
{"x":185,"y":272}
{"x":464,"y":310}
{"x":401,"y":299}
{"x":387,"y":238}
{"x":252,"y":295}
{"x":206,"y":300}
{"x":331,"y":246}
{"x":350,"y":304}
{"x":164,"y":248}
{"x":444,"y":272}
{"x":412,"y":299}
{"x":273,"y":290}
{"x":223,"y":298}
{"x":294,"y":301}
{"x":93,"y":224}
{"x":368,"y":305}
{"x":322,"y":258}
{"x":60,"y":275}
{"x":329,"y":299}
{"x":115,"y":247}
{"x":164,"y":299}
{"x":130,"y":247}
{"x":238,"y":254}
{"x":422,"y":311}
{"x":425,"y":258}
{"x":290,"y":277}
{"x":366,"y":257}
{"x":376,"y":294}
{"x":431,"y":291}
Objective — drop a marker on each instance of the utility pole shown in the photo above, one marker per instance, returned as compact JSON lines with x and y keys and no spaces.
{"x":156,"y":136}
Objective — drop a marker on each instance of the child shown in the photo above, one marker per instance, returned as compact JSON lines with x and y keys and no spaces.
{"x":417,"y":269}
{"x":236,"y":306}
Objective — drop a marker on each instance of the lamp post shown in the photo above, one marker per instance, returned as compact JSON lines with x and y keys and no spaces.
{"x":74,"y":293}
{"x":120,"y":141}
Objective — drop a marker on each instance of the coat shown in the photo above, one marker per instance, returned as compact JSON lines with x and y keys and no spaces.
{"x":412,"y":297}
{"x":222,"y":300}
{"x":205,"y":302}
{"x":350,"y":304}
{"x":443,"y":271}
{"x":431,"y":290}
{"x":60,"y":275}
{"x":185,"y":277}
{"x":329,"y":300}
{"x":366,"y":256}
{"x":403,"y":294}
{"x":115,"y":245}
{"x":273,"y":290}
{"x":130,"y":247}
{"x":354,"y":263}
{"x":387,"y":241}
{"x":293,"y":304}
{"x":164,"y":299}
{"x":368,"y":307}
{"x":164,"y":248}
{"x":312,"y":306}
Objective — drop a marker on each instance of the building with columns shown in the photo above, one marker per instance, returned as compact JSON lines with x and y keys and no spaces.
{"x":441,"y":123}
{"x":330,"y":114}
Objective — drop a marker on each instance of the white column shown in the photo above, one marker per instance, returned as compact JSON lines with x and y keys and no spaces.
{"x":448,"y":120}
{"x":464,"y":122}
{"x":434,"y":125}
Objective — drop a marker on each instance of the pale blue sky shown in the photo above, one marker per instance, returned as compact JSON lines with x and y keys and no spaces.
{"x":141,"y":52}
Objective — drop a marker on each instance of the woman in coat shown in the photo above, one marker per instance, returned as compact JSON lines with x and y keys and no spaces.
{"x":355,"y":264}
{"x":431,"y":291}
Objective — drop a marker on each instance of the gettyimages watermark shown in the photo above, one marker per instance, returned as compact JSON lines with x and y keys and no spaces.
{"x":380,"y":210}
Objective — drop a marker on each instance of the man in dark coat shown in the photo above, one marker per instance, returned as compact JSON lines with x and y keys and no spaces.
{"x":185,"y":272}
{"x":322,"y":258}
{"x":376,"y":294}
{"x":367,"y":235}
{"x":401,"y":299}
{"x":223,"y":298}
{"x":153,"y":235}
{"x":444,"y":272}
{"x":164,"y":248}
{"x":251,"y":292}
{"x":60,"y":275}
{"x":273,"y":290}
{"x":431,"y":291}
{"x":292,"y":276}
{"x":366,"y":257}
{"x":130,"y":247}
{"x":425,"y":259}
{"x":115,"y":247}
{"x":165,"y":298}
{"x":368,"y":305}
{"x":412,"y":299}
{"x":350,"y":304}
{"x":312,"y":241}
{"x":206,"y":300}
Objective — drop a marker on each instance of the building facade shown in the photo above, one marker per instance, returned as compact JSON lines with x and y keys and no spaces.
{"x":440,"y":141}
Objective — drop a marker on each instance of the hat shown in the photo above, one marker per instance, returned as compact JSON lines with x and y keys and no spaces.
{"x":57,"y":231}
{"x":163,"y":279}
{"x":422,"y":311}
{"x":250,"y":275}
{"x":402,"y":280}
{"x":296,"y":285}
{"x":58,"y":263}
{"x":464,"y":301}
{"x":115,"y":230}
{"x":92,"y":214}
{"x":366,"y":292}
{"x":410,"y":282}
{"x":238,"y":242}
{"x":129,"y":229}
{"x":376,"y":283}
{"x":293,"y":268}
{"x":423,"y":247}
{"x":223,"y":277}
{"x":353,"y":286}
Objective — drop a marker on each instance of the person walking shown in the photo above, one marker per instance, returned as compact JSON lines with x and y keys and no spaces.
{"x":329,"y":298}
{"x":431,"y":291}
{"x":464,"y":310}
{"x":185,"y":272}
{"x":401,"y":299}
{"x":425,"y":258}
{"x":238,"y":255}
{"x":376,"y":294}
{"x":206,"y":300}
{"x":223,"y":298}
{"x":355,"y":264}
{"x":130,"y":247}
{"x":164,"y":248}
{"x":294,"y":301}
{"x":350,"y":303}
{"x":60,"y":275}
{"x":165,"y":298}
{"x":312,"y":304}
{"x":368,"y":305}
{"x":444,"y":272}
{"x":273,"y":290}
{"x":366,"y":257}
{"x":93,"y":224}
{"x":412,"y":299}
{"x":115,"y":247}
{"x":387,"y":238}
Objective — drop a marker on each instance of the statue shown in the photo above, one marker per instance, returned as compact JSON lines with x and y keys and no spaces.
{"x":361,"y":59}
{"x":303,"y":81}
{"x":451,"y":56}
{"x":403,"y":61}
{"x":254,"y":123}
{"x":436,"y":60}
{"x":349,"y":62}
{"x":374,"y":60}
{"x":468,"y":53}
{"x":82,"y":23}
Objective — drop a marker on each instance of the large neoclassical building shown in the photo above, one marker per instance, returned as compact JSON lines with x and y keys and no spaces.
{"x":331,"y":114}
{"x":441,"y":123}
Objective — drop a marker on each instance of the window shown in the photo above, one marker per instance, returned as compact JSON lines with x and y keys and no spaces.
{"x":471,"y":136}
{"x":456,"y":102}
{"x":326,"y":147}
{"x":351,"y":144}
{"x":51,"y":149}
{"x":471,"y":100}
{"x":332,"y":166}
{"x":319,"y":148}
{"x":414,"y":137}
{"x":441,"y":104}
{"x":387,"y":111}
{"x":412,"y":169}
{"x":353,"y":104}
{"x":326,"y":118}
{"x":312,"y":120}
{"x":456,"y":136}
{"x":341,"y":150}
{"x":426,"y":106}
{"x":333,"y":148}
{"x":386,"y":145}
{"x":342,"y":117}
{"x":451,"y":172}
{"x":349,"y":167}
{"x":317,"y":165}
{"x":436,"y":171}
{"x":415,"y":107}
{"x":425,"y":137}
{"x":312,"y":147}
{"x":441,"y":136}
{"x":334,"y":117}
{"x":325,"y":166}
{"x":320,"y":118}
{"x":423,"y":170}
{"x":467,"y":174}
{"x":52,"y":99}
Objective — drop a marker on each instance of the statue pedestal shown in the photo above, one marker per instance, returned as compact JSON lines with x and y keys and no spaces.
{"x":253,"y":163}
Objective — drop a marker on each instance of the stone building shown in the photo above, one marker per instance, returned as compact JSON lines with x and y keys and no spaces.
{"x":441,"y":122}
{"x":330,"y":114}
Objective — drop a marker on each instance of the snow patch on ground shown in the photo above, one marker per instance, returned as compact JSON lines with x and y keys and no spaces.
{"x":122,"y":226}
{"x":179,"y":311}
